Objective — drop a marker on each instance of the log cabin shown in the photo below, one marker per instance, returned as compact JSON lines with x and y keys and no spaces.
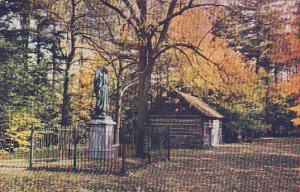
{"x":191,"y":123}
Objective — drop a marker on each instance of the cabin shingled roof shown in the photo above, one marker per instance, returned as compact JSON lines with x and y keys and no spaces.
{"x":200,"y":105}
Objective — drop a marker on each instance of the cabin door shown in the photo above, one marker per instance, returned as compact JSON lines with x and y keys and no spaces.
{"x":215,"y":133}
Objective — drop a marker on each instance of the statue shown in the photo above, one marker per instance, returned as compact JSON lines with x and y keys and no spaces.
{"x":101,"y":126}
{"x":101,"y":92}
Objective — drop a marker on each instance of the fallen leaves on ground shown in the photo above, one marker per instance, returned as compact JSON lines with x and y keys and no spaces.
{"x":265,"y":165}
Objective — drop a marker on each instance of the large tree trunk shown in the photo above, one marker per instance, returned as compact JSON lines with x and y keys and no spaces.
{"x":25,"y":24}
{"x":53,"y":50}
{"x":143,"y":84}
{"x":66,"y":99}
{"x":142,"y":112}
{"x":145,"y":70}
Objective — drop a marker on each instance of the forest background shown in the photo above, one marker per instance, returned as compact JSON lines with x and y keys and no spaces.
{"x":241,"y":57}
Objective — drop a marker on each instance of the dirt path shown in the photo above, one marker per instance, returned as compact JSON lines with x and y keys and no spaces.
{"x":270,"y":164}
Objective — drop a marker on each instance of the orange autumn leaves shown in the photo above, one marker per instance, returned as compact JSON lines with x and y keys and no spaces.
{"x":230,"y":72}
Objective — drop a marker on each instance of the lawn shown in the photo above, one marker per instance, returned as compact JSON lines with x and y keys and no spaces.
{"x":269,"y":164}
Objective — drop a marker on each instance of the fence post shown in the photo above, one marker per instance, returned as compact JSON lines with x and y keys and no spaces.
{"x":31,"y":147}
{"x":70,"y":134}
{"x":122,"y":146}
{"x":123,"y":151}
{"x":149,"y":150}
{"x":75,"y":148}
{"x":169,"y":146}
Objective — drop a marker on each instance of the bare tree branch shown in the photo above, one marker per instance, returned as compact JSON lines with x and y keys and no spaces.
{"x":130,"y":84}
{"x":188,"y":7}
{"x":132,"y":11}
{"x":166,"y":24}
{"x":191,"y":47}
{"x":130,"y":20}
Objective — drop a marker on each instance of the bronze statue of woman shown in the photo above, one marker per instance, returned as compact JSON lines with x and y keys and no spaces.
{"x":101,"y":92}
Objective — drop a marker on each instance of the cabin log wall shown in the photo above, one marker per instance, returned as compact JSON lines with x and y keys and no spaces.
{"x":191,"y":131}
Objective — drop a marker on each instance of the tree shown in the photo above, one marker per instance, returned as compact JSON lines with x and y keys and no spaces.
{"x":150,"y":22}
{"x":24,"y":82}
{"x":290,"y":91}
{"x":69,"y":16}
{"x":232,"y":86}
{"x":254,"y":30}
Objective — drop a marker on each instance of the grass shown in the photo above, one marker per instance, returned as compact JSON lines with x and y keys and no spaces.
{"x":270,"y":164}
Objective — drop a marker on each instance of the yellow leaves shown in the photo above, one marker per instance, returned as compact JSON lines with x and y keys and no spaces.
{"x":23,"y":148}
{"x":291,"y":87}
{"x":296,"y":121}
{"x":3,"y":154}
{"x":20,"y":124}
{"x":23,"y":120}
{"x":164,"y":94}
{"x":82,"y":85}
{"x":296,"y":109}
{"x":176,"y":101}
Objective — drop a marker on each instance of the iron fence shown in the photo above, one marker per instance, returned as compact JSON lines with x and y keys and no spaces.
{"x":68,"y":148}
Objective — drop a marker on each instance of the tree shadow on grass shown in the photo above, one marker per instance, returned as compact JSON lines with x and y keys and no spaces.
{"x":74,"y":171}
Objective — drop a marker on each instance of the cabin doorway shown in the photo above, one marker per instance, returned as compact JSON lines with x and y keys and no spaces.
{"x":215,"y":133}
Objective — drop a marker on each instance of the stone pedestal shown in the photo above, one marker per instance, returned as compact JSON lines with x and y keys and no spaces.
{"x":101,"y":137}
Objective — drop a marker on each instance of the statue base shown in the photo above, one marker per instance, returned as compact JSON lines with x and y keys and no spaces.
{"x":101,"y":138}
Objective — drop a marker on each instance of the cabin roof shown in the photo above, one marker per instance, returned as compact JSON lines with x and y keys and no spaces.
{"x":200,"y":105}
